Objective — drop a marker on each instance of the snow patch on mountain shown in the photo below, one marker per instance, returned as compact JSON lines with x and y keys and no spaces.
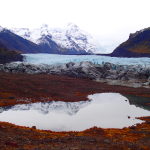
{"x":1,"y":29}
{"x":70,"y":37}
{"x":33,"y":35}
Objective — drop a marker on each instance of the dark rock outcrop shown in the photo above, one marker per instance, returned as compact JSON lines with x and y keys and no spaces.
{"x":7,"y":56}
{"x":138,"y":45}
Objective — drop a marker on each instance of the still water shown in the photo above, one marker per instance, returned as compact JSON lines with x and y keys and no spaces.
{"x":106,"y":110}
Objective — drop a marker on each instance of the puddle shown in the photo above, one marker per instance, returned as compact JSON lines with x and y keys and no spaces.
{"x":106,"y":110}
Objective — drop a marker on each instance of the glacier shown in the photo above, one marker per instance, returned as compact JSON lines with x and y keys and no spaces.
{"x":51,"y":59}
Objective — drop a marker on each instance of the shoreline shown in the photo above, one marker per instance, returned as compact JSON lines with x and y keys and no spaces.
{"x":133,"y":138}
{"x":26,"y":88}
{"x":19,"y":88}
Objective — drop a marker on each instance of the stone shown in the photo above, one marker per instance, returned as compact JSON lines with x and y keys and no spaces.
{"x":85,"y":69}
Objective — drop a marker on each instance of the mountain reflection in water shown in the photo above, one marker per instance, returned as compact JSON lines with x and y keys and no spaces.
{"x":107,"y":110}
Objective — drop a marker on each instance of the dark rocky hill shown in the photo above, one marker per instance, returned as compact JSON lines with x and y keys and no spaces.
{"x":7,"y":56}
{"x":138,"y":45}
{"x":14,"y":42}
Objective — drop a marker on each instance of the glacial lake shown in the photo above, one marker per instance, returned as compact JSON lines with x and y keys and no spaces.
{"x":106,"y":110}
{"x":59,"y":59}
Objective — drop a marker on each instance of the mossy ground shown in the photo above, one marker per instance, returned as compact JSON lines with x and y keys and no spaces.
{"x":24,"y":88}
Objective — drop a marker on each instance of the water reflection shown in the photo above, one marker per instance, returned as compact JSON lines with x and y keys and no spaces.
{"x":69,"y":108}
{"x":139,"y":101}
{"x":107,"y":110}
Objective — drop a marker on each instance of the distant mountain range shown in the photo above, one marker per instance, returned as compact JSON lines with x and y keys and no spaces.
{"x":70,"y":40}
{"x":138,"y":45}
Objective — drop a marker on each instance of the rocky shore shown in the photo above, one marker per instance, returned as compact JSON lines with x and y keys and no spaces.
{"x":125,"y":75}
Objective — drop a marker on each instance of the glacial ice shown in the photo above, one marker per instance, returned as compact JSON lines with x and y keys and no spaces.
{"x":59,"y":59}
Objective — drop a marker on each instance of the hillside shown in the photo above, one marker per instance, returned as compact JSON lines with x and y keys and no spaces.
{"x":7,"y":56}
{"x":138,"y":45}
{"x":14,"y":42}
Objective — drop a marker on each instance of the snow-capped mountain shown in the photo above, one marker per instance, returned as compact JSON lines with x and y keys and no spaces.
{"x":71,"y":38}
{"x":1,"y":28}
{"x":32,"y":34}
{"x":12,"y":41}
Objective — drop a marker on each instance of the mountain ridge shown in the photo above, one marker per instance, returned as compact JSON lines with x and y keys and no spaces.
{"x":14,"y":42}
{"x":71,"y":38}
{"x":137,"y":45}
{"x":7,"y":56}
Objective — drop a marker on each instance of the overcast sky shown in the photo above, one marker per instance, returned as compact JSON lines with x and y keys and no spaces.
{"x":110,"y":20}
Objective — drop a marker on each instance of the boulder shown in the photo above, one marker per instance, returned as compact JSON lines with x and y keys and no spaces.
{"x":105,"y":71}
